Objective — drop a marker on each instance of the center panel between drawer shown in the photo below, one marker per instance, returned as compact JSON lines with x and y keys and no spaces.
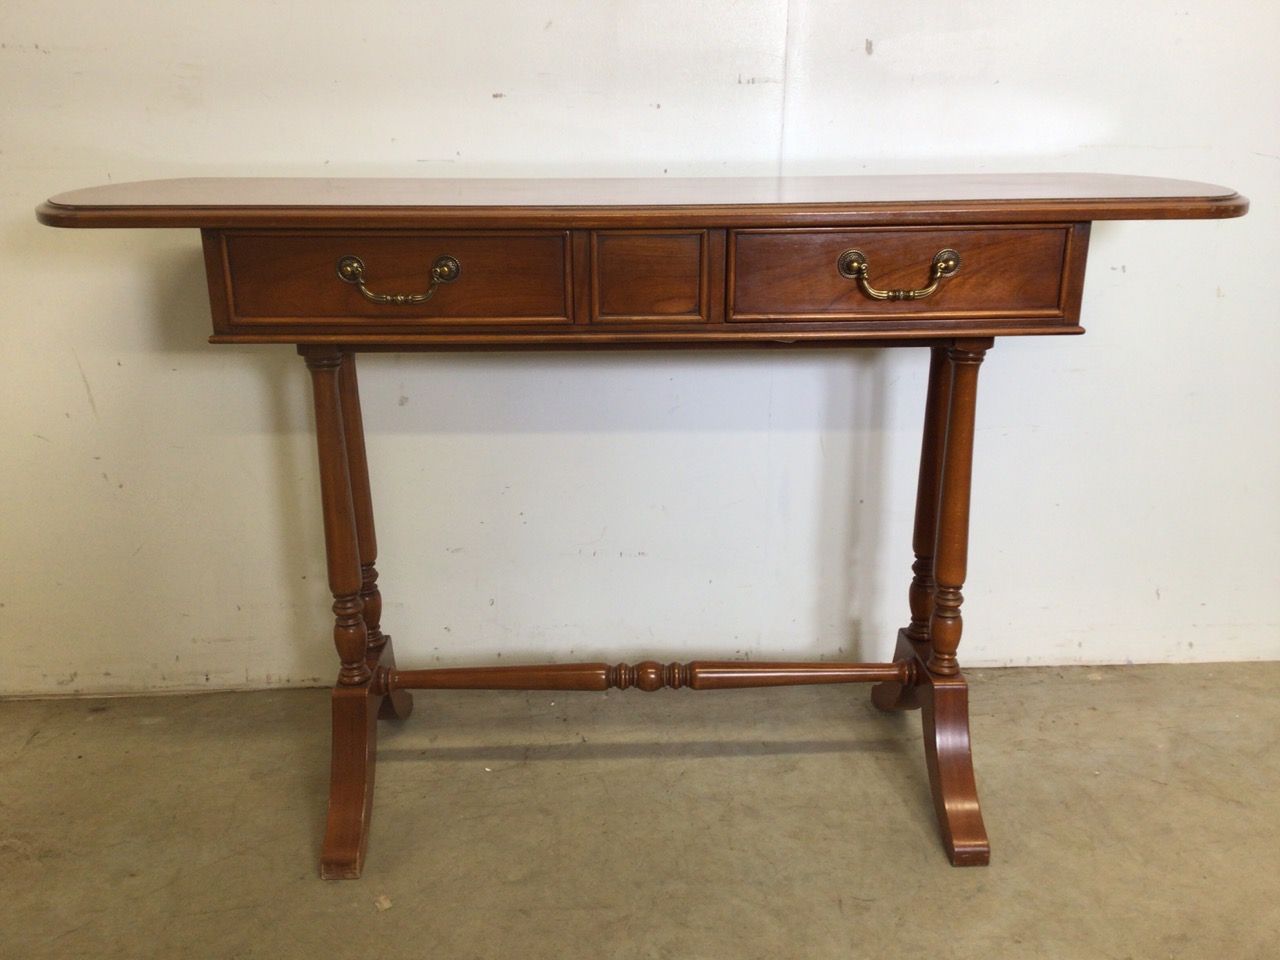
{"x":656,"y":276}
{"x":292,"y":279}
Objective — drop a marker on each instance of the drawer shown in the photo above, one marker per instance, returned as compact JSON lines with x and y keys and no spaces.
{"x":501,"y":278}
{"x":1014,"y":273}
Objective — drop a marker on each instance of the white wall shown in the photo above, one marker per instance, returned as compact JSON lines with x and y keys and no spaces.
{"x":159,"y":521}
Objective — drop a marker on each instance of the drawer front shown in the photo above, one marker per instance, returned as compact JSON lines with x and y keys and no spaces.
{"x":520,"y":278}
{"x":1014,"y":273}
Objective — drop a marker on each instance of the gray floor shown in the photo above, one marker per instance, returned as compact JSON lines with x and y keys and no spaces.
{"x":1133,"y":813}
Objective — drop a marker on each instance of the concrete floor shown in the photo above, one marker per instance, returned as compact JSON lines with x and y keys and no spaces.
{"x":1133,"y":813}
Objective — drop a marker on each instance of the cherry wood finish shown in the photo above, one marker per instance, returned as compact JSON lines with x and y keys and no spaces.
{"x":670,"y":263}
{"x":648,"y":676}
{"x":1006,"y":272}
{"x":660,"y":277}
{"x":378,"y":654}
{"x":655,"y":287}
{"x":930,"y":200}
{"x":291,"y":280}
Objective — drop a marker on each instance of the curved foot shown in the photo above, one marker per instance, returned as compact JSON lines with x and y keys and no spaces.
{"x":355,"y":735}
{"x":945,"y":703}
{"x":356,"y":711}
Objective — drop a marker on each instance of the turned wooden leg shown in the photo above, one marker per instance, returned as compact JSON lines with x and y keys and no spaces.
{"x":897,"y":696}
{"x":944,"y":695}
{"x":398,"y":704}
{"x":354,"y":702}
{"x":941,"y":547}
{"x":951,"y":547}
{"x":932,"y":449}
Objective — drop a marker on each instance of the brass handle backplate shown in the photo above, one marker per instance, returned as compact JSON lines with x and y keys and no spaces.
{"x":444,"y":270}
{"x":853,"y":265}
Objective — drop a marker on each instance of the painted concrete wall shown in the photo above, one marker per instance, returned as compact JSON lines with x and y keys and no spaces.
{"x":158,"y":514}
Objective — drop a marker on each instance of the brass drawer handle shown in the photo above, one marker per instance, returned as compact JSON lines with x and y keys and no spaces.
{"x":853,"y":265}
{"x":444,"y":270}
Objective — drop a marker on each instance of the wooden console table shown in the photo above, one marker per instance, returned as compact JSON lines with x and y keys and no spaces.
{"x":342,"y":266}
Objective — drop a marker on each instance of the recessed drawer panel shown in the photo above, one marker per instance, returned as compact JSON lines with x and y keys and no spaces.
{"x":814,"y":274}
{"x":388,"y":279}
{"x":643,"y":276}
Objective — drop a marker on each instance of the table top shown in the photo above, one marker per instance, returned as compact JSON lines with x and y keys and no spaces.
{"x":227,"y":202}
